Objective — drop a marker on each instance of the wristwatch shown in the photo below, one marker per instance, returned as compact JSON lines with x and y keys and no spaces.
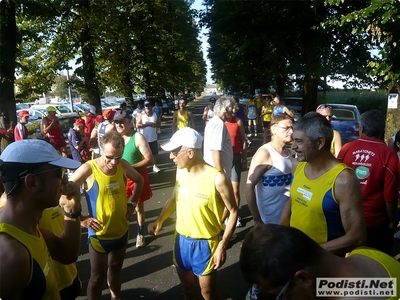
{"x":132,"y":203}
{"x":72,"y":215}
{"x":244,"y":161}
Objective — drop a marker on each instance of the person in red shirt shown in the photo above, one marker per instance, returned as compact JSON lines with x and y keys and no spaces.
{"x":239,"y":147}
{"x":90,"y":122}
{"x":51,"y":128}
{"x":20,"y":131}
{"x":376,"y":166}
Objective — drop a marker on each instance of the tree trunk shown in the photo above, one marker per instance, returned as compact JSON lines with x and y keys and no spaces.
{"x":310,"y":90}
{"x":280,"y":85}
{"x":392,"y":118}
{"x":8,"y":49}
{"x":88,"y":69}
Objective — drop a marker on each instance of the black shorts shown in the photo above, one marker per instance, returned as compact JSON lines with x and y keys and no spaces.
{"x":154,"y":147}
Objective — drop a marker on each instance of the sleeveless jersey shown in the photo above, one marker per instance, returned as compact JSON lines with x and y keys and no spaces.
{"x":279,"y":110}
{"x":106,"y":199}
{"x":234,"y":132}
{"x":42,"y":282}
{"x":55,"y":131}
{"x":210,"y":113}
{"x":131,"y":153}
{"x":315,"y":210}
{"x":182,"y":121}
{"x":102,"y":130}
{"x":90,"y":122}
{"x":150,"y":133}
{"x":198,"y":208}
{"x":252,"y":110}
{"x":53,"y":220}
{"x":240,"y":113}
{"x":273,"y":190}
{"x":157,"y":110}
{"x":267,"y":117}
{"x":391,"y":265}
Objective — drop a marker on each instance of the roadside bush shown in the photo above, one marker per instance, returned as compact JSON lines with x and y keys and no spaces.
{"x":364,"y":99}
{"x":33,"y":127}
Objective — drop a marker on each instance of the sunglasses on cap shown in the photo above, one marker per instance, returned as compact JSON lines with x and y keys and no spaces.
{"x":322,"y":106}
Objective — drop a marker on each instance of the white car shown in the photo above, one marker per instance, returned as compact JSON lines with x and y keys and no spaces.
{"x":61,"y":108}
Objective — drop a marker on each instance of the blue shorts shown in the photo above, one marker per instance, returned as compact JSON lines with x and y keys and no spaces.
{"x":106,"y":246}
{"x":195,"y":255}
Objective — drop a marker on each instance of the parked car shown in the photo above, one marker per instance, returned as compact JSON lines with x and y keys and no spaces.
{"x":129,"y":109}
{"x":61,"y":108}
{"x":167,"y":106}
{"x":244,"y":98}
{"x":67,"y":121}
{"x":295,"y":105}
{"x":20,"y":106}
{"x":345,"y":119}
{"x":188,"y":97}
{"x":35,"y":114}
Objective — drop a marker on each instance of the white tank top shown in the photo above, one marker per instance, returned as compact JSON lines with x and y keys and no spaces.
{"x":273,"y":190}
{"x":210,"y":113}
{"x":149,"y":133}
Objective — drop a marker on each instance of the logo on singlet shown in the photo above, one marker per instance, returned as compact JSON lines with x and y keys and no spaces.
{"x":306,"y":194}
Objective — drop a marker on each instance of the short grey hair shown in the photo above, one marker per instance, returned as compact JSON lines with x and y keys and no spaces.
{"x":373,"y":123}
{"x":315,"y":126}
{"x":224,"y":104}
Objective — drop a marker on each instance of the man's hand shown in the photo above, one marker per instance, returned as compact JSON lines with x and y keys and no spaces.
{"x":91,"y":223}
{"x":219,"y":256}
{"x":154,"y":228}
{"x":130,"y":210}
{"x":70,"y":198}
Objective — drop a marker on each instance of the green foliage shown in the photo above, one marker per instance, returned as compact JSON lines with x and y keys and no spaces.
{"x":263,"y":44}
{"x":380,"y":20}
{"x":364,"y":99}
{"x":33,"y":127}
{"x":60,"y":87}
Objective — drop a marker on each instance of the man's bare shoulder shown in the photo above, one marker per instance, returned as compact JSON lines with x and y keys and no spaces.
{"x":13,"y":253}
{"x":347,"y":186}
{"x":347,"y":176}
{"x":15,"y":261}
{"x":262,"y":154}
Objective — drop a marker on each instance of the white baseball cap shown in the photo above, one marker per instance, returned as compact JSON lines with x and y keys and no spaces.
{"x":18,"y":157}
{"x":186,"y":137}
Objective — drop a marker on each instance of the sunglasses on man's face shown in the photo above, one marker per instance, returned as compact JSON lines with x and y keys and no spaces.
{"x":60,"y":172}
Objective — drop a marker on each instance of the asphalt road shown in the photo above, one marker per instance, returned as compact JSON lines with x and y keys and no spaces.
{"x":148,"y":273}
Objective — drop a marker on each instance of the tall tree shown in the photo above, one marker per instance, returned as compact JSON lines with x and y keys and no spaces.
{"x":8,"y":49}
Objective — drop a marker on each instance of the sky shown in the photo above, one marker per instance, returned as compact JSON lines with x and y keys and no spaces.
{"x":204,"y":42}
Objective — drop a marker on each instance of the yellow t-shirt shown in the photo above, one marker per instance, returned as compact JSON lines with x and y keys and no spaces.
{"x":198,"y":208}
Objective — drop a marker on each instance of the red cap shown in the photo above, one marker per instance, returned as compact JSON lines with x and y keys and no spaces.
{"x":108,"y":114}
{"x":80,"y":121}
{"x":23,"y":113}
